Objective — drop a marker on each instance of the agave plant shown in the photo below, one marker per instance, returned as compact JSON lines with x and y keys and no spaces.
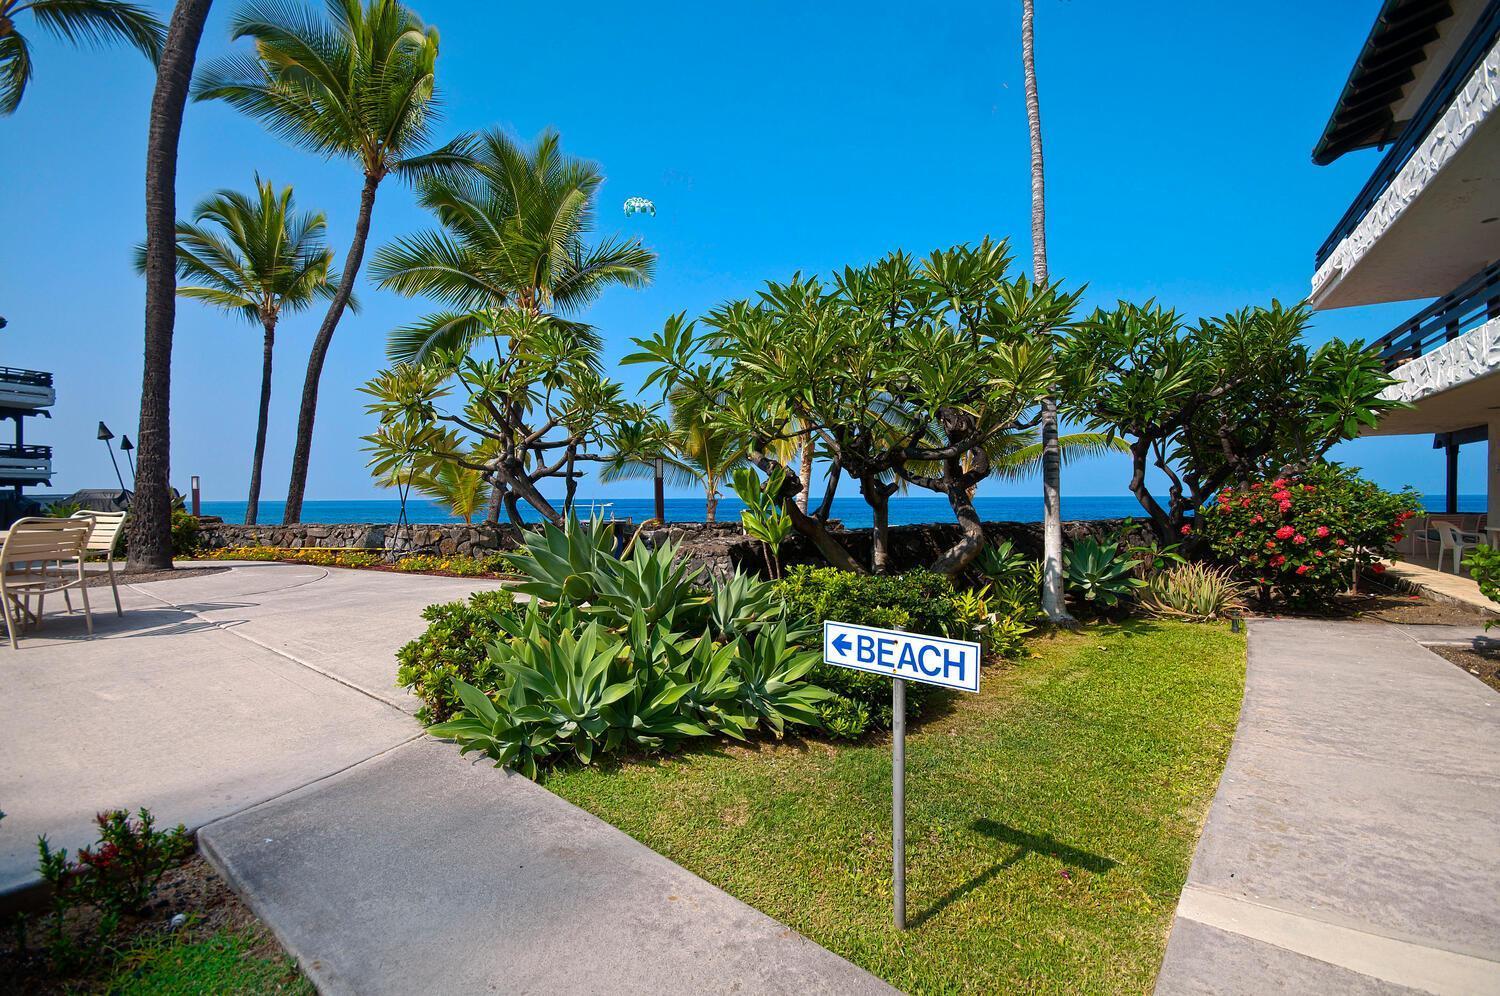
{"x":562,"y":565}
{"x":1099,"y":573}
{"x":1002,"y":561}
{"x":771,"y":673}
{"x":743,"y":604}
{"x":652,"y":582}
{"x":559,"y":684}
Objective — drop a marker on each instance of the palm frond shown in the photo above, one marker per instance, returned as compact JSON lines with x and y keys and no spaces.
{"x":100,"y":22}
{"x":15,"y":71}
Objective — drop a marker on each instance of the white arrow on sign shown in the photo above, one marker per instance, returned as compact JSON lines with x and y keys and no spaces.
{"x":932,"y":660}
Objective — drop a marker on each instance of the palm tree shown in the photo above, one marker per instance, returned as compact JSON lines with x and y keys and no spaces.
{"x":92,"y":22}
{"x":514,"y":225}
{"x":462,"y":490}
{"x":358,"y":87}
{"x":259,"y":259}
{"x":150,"y":539}
{"x":707,"y":453}
{"x":1052,"y":544}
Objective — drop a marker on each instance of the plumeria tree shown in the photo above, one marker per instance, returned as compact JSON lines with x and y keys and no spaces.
{"x":905,"y":372}
{"x":1222,"y":402}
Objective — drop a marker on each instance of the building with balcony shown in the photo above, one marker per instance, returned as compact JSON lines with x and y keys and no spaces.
{"x":24,"y":394}
{"x":1426,"y":226}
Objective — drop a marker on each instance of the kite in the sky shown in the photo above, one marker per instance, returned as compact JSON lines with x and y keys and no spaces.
{"x":639,"y":205}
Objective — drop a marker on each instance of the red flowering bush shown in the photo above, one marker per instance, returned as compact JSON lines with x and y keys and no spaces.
{"x":1304,"y":538}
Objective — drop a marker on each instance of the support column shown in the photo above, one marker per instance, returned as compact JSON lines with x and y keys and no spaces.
{"x":1451,"y":502}
{"x":1492,"y":473}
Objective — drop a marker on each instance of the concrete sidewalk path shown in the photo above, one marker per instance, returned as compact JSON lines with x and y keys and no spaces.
{"x":423,"y":872}
{"x":1351,"y":847}
{"x":209,"y":695}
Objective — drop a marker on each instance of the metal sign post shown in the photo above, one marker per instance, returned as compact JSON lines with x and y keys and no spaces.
{"x":903,"y":657}
{"x":898,"y":798}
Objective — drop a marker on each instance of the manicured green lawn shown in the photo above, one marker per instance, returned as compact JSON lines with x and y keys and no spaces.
{"x":225,"y":964}
{"x":1050,"y":818}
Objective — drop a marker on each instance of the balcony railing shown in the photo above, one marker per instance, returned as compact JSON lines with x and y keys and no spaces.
{"x":15,"y":375}
{"x":1473,"y":302}
{"x":1479,"y":42}
{"x":25,"y":452}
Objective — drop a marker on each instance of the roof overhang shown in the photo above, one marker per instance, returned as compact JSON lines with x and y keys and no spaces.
{"x":1389,"y":63}
{"x":1435,"y":224}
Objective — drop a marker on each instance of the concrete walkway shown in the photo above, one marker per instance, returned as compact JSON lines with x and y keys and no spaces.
{"x":419,"y":872}
{"x":1352,"y":845}
{"x":209,"y":695}
{"x":257,"y":706}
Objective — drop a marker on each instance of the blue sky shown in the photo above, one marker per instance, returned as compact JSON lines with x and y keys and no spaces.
{"x":772,"y":136}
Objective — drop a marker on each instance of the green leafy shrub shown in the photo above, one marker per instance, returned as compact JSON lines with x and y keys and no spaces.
{"x":1305,"y":538}
{"x":918,"y":602}
{"x":611,"y":653}
{"x":455,"y":645}
{"x":1193,"y":592}
{"x":184,"y":533}
{"x":1483,"y":563}
{"x":844,"y":718}
{"x":61,"y":509}
{"x":1101,"y":575}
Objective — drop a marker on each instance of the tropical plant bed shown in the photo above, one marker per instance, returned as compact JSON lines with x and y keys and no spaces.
{"x":1050,"y":819}
{"x":438,"y":566}
{"x":221,"y":948}
{"x":1384,"y":605}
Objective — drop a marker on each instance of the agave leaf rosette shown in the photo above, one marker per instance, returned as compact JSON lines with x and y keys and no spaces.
{"x":564,"y":565}
{"x":1100,"y":573}
{"x":771,"y":673}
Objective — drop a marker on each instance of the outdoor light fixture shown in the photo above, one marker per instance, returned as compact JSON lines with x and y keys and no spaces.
{"x":195,"y":496}
{"x":104,"y":436}
{"x":126,"y":446}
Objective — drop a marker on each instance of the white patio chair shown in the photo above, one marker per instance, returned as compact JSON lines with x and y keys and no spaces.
{"x":1450,"y":538}
{"x":107,"y":529}
{"x":41,"y":556}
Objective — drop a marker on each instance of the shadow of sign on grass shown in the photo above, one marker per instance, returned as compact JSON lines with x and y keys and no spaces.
{"x":1025,"y":844}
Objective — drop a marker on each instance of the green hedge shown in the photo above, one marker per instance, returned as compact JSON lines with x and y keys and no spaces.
{"x":918,"y":602}
{"x":456,"y":644}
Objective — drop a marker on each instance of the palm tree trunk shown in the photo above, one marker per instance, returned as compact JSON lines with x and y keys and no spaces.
{"x":711,"y":504}
{"x":1052,"y":542}
{"x":150,"y":532}
{"x":252,"y":504}
{"x":302,"y":455}
{"x":807,"y":469}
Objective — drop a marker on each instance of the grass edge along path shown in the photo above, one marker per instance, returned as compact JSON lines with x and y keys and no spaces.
{"x":1051,"y":818}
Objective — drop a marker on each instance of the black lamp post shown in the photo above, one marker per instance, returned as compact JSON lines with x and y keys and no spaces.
{"x":105,"y":436}
{"x":125,"y":447}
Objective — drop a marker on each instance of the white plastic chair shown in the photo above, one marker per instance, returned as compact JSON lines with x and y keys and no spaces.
{"x":1450,"y":539}
{"x":41,"y":556}
{"x":107,"y":528}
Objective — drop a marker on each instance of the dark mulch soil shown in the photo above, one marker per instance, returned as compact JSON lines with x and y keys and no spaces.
{"x":1483,"y":664}
{"x":192,"y":888}
{"x":141,"y":577}
{"x":1389,"y":606}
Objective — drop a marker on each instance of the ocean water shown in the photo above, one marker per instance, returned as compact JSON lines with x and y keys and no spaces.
{"x":853,"y":512}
